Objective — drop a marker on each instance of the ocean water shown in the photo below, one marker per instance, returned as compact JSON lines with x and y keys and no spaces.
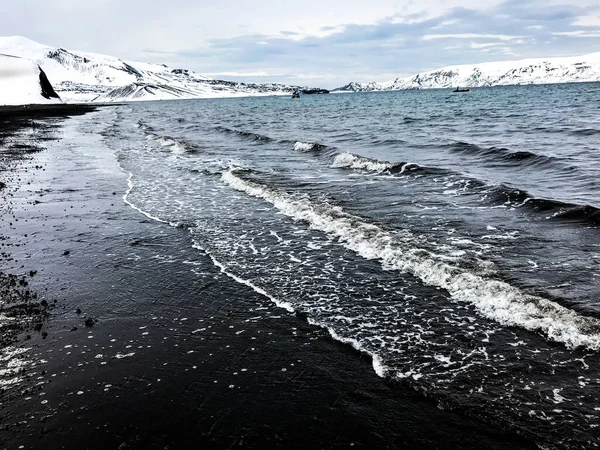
{"x":452,"y":237}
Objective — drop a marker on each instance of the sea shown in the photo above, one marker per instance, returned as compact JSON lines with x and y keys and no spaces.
{"x":453,"y":238}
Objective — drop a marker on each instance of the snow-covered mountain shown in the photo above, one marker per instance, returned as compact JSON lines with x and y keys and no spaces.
{"x":83,"y":76}
{"x":526,"y":71}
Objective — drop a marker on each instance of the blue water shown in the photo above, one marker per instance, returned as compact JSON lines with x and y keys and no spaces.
{"x":452,"y":237}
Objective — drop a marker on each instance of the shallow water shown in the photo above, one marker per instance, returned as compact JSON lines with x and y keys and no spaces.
{"x":454,"y":238}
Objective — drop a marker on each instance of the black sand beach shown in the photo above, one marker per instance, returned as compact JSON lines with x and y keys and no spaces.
{"x":136,"y":340}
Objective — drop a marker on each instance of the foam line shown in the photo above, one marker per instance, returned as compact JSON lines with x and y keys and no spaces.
{"x":493,"y":299}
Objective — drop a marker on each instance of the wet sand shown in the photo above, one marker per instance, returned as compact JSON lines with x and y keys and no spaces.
{"x":145,"y":344}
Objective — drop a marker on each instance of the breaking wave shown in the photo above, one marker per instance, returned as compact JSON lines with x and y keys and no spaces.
{"x":180,"y":146}
{"x":493,"y":299}
{"x":307,"y":146}
{"x":351,"y":161}
{"x":175,"y":145}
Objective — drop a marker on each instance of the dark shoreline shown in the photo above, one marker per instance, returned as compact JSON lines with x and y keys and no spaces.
{"x":214,"y":364}
{"x":45,"y":111}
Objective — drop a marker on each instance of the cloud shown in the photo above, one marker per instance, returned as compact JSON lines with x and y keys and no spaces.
{"x":477,"y":45}
{"x":578,"y":33}
{"x":587,"y":21}
{"x":325,"y":43}
{"x":501,"y":37}
{"x":403,"y":47}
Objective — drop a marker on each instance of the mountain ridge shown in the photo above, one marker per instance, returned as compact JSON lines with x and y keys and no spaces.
{"x":84,"y":76}
{"x":496,"y":73}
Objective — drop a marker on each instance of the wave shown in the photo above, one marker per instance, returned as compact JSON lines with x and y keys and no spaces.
{"x":408,"y":119}
{"x":388,"y":142}
{"x":494,"y":195}
{"x":175,"y":145}
{"x":395,"y":250}
{"x":566,"y":130}
{"x":586,"y":132}
{"x":308,"y":146}
{"x":351,"y":161}
{"x":557,"y":209}
{"x":571,"y":212}
{"x":144,"y":126}
{"x":504,"y":154}
{"x":505,"y":195}
{"x":244,"y":134}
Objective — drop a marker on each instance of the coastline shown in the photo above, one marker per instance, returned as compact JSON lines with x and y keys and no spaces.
{"x":176,"y":353}
{"x":49,"y":110}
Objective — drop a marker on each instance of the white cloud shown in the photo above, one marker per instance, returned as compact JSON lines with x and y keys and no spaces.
{"x":578,"y":33}
{"x":502,"y":37}
{"x":587,"y":21}
{"x":477,"y":45}
{"x":445,"y":23}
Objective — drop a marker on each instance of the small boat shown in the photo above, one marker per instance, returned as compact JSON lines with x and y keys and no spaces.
{"x":458,"y":89}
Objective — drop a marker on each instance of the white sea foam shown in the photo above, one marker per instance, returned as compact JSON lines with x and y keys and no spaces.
{"x":251,"y":285}
{"x":165,"y":142}
{"x":179,"y":147}
{"x":175,"y":145}
{"x":130,"y":187}
{"x":494,"y":299}
{"x":349,"y":161}
{"x":408,"y":166}
{"x":303,"y":146}
{"x":13,"y":364}
{"x":378,"y":366}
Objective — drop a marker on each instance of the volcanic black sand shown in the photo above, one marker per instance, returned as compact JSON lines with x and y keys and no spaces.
{"x":136,"y":340}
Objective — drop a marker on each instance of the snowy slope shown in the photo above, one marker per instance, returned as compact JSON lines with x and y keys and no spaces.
{"x":527,"y":71}
{"x":84,"y":76}
{"x":202,"y":89}
{"x":22,"y":82}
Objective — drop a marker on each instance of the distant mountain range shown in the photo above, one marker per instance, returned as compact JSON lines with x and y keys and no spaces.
{"x":527,"y":71}
{"x":82,"y":76}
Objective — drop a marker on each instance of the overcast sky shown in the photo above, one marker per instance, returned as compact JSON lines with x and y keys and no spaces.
{"x":324,"y":43}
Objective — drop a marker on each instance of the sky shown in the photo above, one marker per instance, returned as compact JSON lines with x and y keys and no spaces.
{"x":319,"y":43}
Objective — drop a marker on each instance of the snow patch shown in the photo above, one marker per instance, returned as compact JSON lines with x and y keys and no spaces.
{"x":21,"y":83}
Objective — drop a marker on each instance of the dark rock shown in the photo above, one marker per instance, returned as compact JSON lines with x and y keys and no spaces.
{"x":66,"y":253}
{"x":44,"y":334}
{"x":47,"y":89}
{"x":89,"y":322}
{"x":315,"y":91}
{"x":78,"y":311}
